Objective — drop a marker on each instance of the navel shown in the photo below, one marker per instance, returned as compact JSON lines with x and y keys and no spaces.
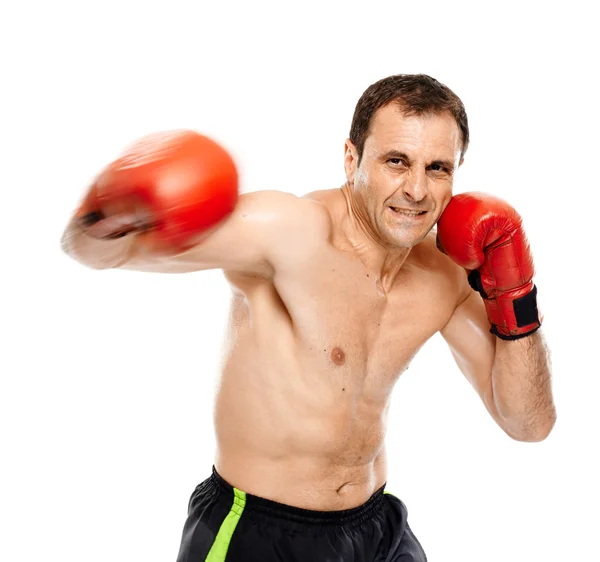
{"x":338,"y":356}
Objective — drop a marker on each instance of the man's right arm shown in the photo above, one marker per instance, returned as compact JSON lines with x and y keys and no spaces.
{"x":265,"y":229}
{"x":170,"y":204}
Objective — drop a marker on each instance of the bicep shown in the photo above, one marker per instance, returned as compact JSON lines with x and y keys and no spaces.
{"x":472,"y":345}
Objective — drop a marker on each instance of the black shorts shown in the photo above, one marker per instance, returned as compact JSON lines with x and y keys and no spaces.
{"x":225,"y":524}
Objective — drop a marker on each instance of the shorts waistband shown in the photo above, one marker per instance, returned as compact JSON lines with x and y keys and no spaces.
{"x":353,"y":515}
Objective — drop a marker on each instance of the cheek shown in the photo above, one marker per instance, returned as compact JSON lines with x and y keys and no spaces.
{"x":362,"y":176}
{"x":442,"y":202}
{"x":366,"y":185}
{"x":444,"y":196}
{"x":443,"y":193}
{"x":379,"y":182}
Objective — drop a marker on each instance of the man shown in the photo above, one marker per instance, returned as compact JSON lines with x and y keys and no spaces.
{"x":333,"y":294}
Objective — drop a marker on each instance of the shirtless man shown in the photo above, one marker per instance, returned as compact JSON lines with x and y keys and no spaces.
{"x":333,"y":294}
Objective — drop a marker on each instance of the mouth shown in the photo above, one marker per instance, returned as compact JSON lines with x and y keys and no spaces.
{"x":407,"y":212}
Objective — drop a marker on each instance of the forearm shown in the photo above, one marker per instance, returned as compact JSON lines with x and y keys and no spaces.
{"x":521,"y":387}
{"x":93,"y":252}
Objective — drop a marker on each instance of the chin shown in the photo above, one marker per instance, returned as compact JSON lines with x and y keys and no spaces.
{"x":403,"y":241}
{"x":406,"y":237}
{"x":406,"y":234}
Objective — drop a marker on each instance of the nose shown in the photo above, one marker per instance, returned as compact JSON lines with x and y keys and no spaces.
{"x":415,"y":186}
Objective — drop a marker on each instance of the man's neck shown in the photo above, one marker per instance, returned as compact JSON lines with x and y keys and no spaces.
{"x":377,"y":256}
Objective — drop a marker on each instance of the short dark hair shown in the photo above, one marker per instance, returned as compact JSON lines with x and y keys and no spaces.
{"x":415,"y":94}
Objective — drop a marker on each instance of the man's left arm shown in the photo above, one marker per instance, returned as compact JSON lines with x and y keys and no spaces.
{"x":513,"y":378}
{"x":494,"y":334}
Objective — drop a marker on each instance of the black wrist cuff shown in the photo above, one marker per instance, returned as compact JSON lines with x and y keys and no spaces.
{"x":526,"y":313}
{"x":495,"y":331}
{"x":526,"y":310}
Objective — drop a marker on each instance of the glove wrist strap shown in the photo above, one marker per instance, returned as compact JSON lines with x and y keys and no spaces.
{"x":513,"y":313}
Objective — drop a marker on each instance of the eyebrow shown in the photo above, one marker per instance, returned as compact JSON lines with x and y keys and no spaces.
{"x":403,"y":156}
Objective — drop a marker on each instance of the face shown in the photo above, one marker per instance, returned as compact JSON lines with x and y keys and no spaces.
{"x":405,"y":177}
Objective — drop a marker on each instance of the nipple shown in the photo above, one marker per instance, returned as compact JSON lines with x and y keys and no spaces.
{"x":338,"y":356}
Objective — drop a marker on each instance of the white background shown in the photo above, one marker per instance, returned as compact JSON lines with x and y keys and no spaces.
{"x":108,"y":377}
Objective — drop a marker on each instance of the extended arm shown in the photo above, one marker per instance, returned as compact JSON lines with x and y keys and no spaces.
{"x":246,"y":241}
{"x":170,"y":204}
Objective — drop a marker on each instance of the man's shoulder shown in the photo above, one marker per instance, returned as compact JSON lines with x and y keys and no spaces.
{"x":285,"y":219}
{"x":274,"y":205}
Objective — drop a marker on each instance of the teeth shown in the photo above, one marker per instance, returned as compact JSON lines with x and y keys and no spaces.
{"x":409,"y":213}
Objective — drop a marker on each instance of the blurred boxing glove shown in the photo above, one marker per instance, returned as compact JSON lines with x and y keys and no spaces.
{"x":484,"y":235}
{"x":171,"y":187}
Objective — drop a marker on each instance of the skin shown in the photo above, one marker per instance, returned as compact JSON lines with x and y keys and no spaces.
{"x":333,"y":294}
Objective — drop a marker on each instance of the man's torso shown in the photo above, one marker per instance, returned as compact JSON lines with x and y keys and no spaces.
{"x":311,"y":360}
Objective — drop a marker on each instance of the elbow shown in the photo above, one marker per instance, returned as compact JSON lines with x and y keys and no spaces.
{"x":532,"y":432}
{"x":545,"y":429}
{"x":537,"y":437}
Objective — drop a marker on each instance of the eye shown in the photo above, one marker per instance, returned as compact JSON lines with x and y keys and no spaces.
{"x":439,"y":168}
{"x":395,"y":160}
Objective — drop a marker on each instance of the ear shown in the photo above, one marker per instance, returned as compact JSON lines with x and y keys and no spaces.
{"x":350,"y":161}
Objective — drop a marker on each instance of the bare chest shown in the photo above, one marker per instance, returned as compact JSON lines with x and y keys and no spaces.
{"x":345,"y":319}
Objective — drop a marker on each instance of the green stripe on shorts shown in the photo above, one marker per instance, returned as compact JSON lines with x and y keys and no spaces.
{"x":219,"y":549}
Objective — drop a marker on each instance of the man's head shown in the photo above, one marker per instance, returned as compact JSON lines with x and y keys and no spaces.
{"x":408,"y":136}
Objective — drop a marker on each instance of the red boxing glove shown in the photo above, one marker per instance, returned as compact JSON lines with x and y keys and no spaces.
{"x":484,"y":235}
{"x":172,"y":186}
